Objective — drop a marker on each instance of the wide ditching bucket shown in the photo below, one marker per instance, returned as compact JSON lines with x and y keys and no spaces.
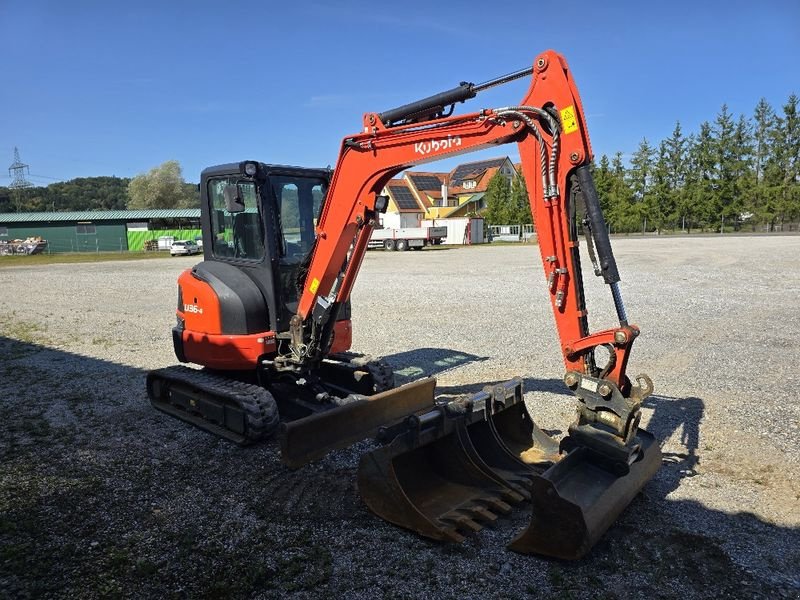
{"x":576,"y":500}
{"x":448,"y":471}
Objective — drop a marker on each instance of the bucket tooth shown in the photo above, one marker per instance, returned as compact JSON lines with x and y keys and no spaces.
{"x":497,"y":505}
{"x":480,"y":513}
{"x":577,"y":499}
{"x":462,"y":522}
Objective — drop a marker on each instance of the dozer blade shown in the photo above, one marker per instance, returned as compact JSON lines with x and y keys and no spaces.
{"x":577,"y":499}
{"x":313,"y":437}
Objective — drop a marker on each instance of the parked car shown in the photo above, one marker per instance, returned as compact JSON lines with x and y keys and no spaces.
{"x":187,"y":247}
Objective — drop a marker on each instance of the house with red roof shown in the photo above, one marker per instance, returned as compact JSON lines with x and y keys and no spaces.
{"x":418,"y":195}
{"x":431,"y":195}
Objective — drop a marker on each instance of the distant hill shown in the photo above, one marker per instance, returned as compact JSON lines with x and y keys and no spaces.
{"x":83,"y":193}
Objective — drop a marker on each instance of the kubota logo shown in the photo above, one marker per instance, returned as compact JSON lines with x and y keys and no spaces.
{"x":192,"y":308}
{"x":436,"y":145}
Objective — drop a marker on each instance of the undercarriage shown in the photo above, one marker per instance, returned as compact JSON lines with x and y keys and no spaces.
{"x":244,"y":407}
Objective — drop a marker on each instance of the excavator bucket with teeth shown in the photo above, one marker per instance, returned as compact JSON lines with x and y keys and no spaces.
{"x":448,"y":472}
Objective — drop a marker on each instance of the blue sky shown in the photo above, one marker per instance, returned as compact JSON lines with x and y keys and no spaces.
{"x":115,"y":88}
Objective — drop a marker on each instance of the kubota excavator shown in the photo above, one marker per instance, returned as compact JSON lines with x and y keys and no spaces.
{"x":267,"y":314}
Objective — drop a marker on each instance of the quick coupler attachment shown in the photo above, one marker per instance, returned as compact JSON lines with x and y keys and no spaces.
{"x":446,"y":472}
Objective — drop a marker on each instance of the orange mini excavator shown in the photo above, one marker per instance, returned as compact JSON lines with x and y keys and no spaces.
{"x":267,"y":313}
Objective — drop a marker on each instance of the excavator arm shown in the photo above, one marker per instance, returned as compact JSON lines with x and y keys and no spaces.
{"x":549,"y":126}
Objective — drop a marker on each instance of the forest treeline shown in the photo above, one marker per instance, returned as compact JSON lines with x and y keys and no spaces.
{"x":161,"y":187}
{"x":732,"y":173}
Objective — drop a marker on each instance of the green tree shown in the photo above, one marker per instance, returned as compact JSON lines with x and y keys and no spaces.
{"x":676,"y":146}
{"x":742,"y":170}
{"x":621,"y":213}
{"x":763,"y":124}
{"x":161,"y":187}
{"x":784,"y":174}
{"x":677,"y":165}
{"x":499,"y":209}
{"x":520,"y":204}
{"x":700,"y":179}
{"x":660,"y":202}
{"x":83,"y":193}
{"x":640,"y":178}
{"x":724,"y":200}
{"x":603,"y":183}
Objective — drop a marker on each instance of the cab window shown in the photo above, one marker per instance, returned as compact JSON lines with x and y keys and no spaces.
{"x":299,"y":201}
{"x":236,"y":235}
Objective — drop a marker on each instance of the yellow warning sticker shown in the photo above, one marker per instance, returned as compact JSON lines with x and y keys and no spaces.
{"x":314,"y":285}
{"x":568,"y":121}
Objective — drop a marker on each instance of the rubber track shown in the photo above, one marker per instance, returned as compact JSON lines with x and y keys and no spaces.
{"x":260,"y":408}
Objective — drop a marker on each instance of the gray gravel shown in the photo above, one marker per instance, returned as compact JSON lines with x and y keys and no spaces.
{"x":102,"y":496}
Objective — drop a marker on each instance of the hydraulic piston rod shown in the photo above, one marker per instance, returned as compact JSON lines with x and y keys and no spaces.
{"x":434,"y":105}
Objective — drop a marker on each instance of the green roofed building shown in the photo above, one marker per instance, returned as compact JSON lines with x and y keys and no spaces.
{"x":101,"y":231}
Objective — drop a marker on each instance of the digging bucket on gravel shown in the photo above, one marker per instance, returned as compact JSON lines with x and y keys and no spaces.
{"x":447,"y":472}
{"x":577,"y":499}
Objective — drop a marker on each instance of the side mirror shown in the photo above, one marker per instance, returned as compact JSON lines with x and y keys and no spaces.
{"x":233,"y":199}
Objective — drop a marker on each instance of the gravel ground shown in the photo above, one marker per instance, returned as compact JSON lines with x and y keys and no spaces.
{"x":101,"y":496}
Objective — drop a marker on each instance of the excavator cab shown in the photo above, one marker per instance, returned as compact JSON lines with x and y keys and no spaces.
{"x":261,"y":220}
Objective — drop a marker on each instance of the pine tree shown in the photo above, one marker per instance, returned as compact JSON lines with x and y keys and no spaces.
{"x":701,"y":178}
{"x":764,"y":122}
{"x":603,"y":183}
{"x":787,"y":164}
{"x":621,"y":215}
{"x":742,"y":170}
{"x":659,"y":203}
{"x":640,"y":180}
{"x":677,"y":165}
{"x":724,"y":204}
